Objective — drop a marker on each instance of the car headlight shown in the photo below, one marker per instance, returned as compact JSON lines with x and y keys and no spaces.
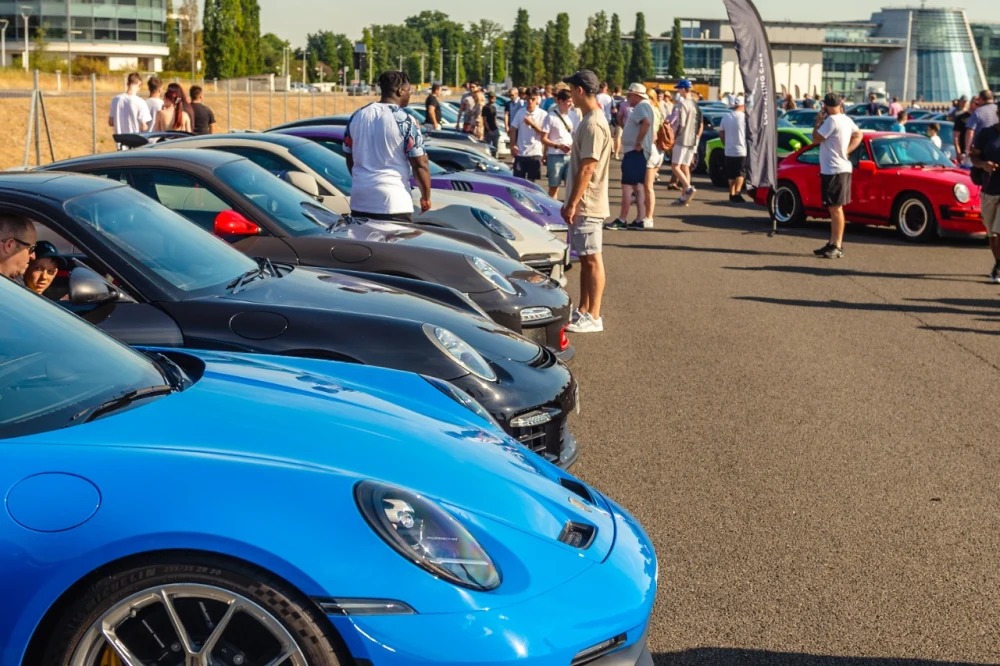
{"x":460,"y":351}
{"x":492,"y":223}
{"x":961,"y":193}
{"x":427,"y":535}
{"x":523,"y":199}
{"x":492,"y":275}
{"x":557,"y":227}
{"x":463,"y":398}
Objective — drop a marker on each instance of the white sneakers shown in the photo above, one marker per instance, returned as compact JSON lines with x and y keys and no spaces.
{"x":584,"y":323}
{"x":647,"y":223}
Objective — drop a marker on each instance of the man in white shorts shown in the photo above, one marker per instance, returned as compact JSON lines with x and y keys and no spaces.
{"x":686,"y":120}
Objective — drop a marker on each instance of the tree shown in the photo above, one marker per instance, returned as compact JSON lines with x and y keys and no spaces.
{"x":615,"y":70}
{"x":549,"y":51}
{"x":522,"y":61}
{"x":435,"y":60}
{"x":562,"y":49}
{"x":640,"y":67}
{"x":173,"y":46}
{"x":251,"y":37}
{"x":538,"y":76}
{"x":594,"y":50}
{"x":271,"y":51}
{"x":223,"y":23}
{"x":675,"y":68}
{"x":499,"y":59}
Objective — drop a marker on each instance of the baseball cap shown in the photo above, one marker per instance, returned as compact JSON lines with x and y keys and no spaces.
{"x":832,"y":100}
{"x":739,"y":101}
{"x":584,"y":78}
{"x":683,"y":84}
{"x":46,"y":250}
{"x":638,"y":89}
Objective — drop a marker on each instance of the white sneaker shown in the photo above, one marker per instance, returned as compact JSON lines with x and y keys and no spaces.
{"x":587,"y":324}
{"x":647,"y":224}
{"x":575,"y":317}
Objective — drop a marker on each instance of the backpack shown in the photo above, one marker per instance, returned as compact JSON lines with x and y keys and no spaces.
{"x":665,"y":137}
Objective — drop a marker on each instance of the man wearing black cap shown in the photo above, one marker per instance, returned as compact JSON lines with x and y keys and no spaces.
{"x":837,"y":136}
{"x":586,"y":205}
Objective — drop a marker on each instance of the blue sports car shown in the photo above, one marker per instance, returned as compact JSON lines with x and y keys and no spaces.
{"x":185,"y":508}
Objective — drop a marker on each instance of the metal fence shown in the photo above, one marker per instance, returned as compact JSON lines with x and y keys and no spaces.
{"x":56,"y":118}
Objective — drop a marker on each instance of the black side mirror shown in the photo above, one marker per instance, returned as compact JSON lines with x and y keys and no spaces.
{"x":88,"y":288}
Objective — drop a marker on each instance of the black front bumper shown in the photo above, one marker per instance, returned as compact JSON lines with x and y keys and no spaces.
{"x":510,"y":311}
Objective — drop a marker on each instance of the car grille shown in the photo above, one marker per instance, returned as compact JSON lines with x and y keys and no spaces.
{"x":539,"y":335}
{"x":545,"y":439}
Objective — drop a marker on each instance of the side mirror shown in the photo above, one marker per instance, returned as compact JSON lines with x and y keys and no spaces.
{"x":231,"y":223}
{"x":303,"y":181}
{"x":88,"y":288}
{"x":867,"y":167}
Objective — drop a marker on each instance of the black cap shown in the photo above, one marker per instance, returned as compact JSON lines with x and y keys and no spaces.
{"x":586,"y":79}
{"x":832,"y":100}
{"x":46,"y":250}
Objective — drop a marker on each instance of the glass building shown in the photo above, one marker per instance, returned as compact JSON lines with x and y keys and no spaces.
{"x":127,"y":34}
{"x":987,"y":38}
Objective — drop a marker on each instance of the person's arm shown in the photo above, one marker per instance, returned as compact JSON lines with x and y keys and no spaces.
{"x":856,"y":137}
{"x":643,"y":128}
{"x":432,"y":113}
{"x":512,"y":135}
{"x":422,"y":172}
{"x":956,"y":139}
{"x":822,"y":127}
{"x":211,"y":121}
{"x":587,"y":168}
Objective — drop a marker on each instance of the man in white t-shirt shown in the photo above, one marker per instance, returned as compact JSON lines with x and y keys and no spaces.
{"x":155,"y":99}
{"x":526,"y":139}
{"x":559,"y":126}
{"x":129,"y":112}
{"x":837,"y":136}
{"x":733,"y":132}
{"x":605,"y":102}
{"x":382,"y":143}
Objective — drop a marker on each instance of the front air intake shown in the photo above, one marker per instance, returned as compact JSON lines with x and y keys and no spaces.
{"x":578,"y":535}
{"x":595,"y":652}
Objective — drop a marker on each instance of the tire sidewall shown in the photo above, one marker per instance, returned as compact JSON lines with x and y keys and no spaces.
{"x":929,"y":231}
{"x":796,"y":215}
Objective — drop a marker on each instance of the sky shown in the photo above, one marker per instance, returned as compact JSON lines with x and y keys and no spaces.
{"x":292,"y":19}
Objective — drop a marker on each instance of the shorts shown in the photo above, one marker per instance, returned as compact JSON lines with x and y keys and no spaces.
{"x":634,"y":168}
{"x":836,"y":189}
{"x":556,"y":170}
{"x":385,"y":217}
{"x":655,"y":159}
{"x":615,"y":131}
{"x":735,"y":166}
{"x":528,"y":168}
{"x":990,"y":207}
{"x":586,"y":235}
{"x":682,"y":155}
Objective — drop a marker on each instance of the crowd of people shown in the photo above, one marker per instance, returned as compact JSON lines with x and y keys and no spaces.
{"x":170,"y":110}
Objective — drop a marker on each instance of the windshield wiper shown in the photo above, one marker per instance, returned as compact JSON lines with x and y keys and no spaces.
{"x":123,"y":400}
{"x":235,"y":285}
{"x":172,"y":372}
{"x":344,"y":221}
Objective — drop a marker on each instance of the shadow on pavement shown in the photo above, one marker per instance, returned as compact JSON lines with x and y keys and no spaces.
{"x":958,"y":329}
{"x":710,"y":250}
{"x":743,"y":657}
{"x":879,"y":307}
{"x":820,"y":271}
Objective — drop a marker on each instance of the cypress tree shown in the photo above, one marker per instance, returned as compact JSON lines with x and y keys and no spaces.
{"x":251,"y":37}
{"x":499,"y":60}
{"x":675,"y":68}
{"x":522,"y":61}
{"x":615,"y":71}
{"x":549,"y":51}
{"x":640,"y":66}
{"x":562,"y":49}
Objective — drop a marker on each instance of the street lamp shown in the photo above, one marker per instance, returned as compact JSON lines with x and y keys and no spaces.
{"x":441,"y":64}
{"x":25,"y":13}
{"x":3,"y":42}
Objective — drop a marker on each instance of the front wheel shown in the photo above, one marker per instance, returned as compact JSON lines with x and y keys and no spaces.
{"x":914,"y":218}
{"x":197,"y":611}
{"x":717,"y":168}
{"x":785,"y":205}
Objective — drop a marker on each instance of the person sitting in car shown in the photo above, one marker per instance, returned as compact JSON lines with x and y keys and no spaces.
{"x":42,"y":270}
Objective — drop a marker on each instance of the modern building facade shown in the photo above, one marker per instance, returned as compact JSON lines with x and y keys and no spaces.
{"x":987,"y":38}
{"x":127,"y":34}
{"x":927,"y":54}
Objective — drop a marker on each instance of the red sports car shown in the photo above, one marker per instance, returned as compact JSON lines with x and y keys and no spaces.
{"x":899,"y":179}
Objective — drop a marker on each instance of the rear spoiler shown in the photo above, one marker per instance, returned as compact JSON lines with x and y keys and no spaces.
{"x":430,"y":290}
{"x":139,"y":139}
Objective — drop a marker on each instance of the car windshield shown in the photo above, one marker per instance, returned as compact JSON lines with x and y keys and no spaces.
{"x":331,"y":167}
{"x":296,"y":212}
{"x":449,"y":112}
{"x":340,"y":176}
{"x":179,"y":255}
{"x":53,"y":366}
{"x":900,"y":151}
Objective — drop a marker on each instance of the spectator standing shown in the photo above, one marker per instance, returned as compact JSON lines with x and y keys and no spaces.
{"x":526,"y":142}
{"x":605,"y":101}
{"x":933,"y":132}
{"x":547,"y":99}
{"x":637,"y":131}
{"x":382,"y":143}
{"x":513,"y":104}
{"x":559,"y":127}
{"x":733,"y":132}
{"x":617,"y":101}
{"x":962,"y":115}
{"x":895,"y":107}
{"x":586,"y":206}
{"x":837,"y":136}
{"x":900,"y":124}
{"x":203,"y":120}
{"x":155,"y":99}
{"x":474,"y":116}
{"x":17,"y":246}
{"x":491,"y":132}
{"x":808,"y":102}
{"x":174,"y":116}
{"x":654,"y":160}
{"x":129,"y":112}
{"x":984,"y":116}
{"x":687,"y":123}
{"x":432,"y":107}
{"x":789,"y":104}
{"x":465,"y":107}
{"x":873,"y":108}
{"x":986,"y":155}
{"x":665,"y":102}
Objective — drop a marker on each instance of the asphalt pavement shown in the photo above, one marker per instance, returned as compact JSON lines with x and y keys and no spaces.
{"x":811,"y":444}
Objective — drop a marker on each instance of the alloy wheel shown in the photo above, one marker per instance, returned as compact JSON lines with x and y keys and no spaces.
{"x":784,"y":204}
{"x":913,"y":218}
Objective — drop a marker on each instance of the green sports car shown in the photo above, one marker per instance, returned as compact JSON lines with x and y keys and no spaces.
{"x":790,"y":139}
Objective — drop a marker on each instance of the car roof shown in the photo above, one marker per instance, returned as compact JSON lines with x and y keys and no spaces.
{"x":273,"y":138}
{"x":57,"y":185}
{"x":326,"y":131}
{"x":207,"y":158}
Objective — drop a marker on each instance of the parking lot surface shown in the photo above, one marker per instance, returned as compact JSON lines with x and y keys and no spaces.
{"x":812,"y":444}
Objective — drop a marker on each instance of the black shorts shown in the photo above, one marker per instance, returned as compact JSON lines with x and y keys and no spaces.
{"x":529,"y":168}
{"x":836,"y":189}
{"x":735,"y":166}
{"x":385,"y":217}
{"x":634,"y":168}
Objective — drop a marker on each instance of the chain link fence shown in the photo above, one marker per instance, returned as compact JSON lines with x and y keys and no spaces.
{"x":76,"y":110}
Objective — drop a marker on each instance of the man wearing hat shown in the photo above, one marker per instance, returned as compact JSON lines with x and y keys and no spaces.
{"x":687,"y":123}
{"x":837,"y":136}
{"x":733,"y":132}
{"x":637,"y":142}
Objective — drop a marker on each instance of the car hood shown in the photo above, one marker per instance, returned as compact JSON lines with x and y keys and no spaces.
{"x":548,"y":204}
{"x":381,"y":425}
{"x":315,"y":289}
{"x":947,"y":175}
{"x":379,"y":231}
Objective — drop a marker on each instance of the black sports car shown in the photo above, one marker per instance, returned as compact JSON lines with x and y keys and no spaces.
{"x":263,"y":217}
{"x":169,"y":283}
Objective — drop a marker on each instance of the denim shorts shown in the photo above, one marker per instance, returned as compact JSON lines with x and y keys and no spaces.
{"x":557,"y":165}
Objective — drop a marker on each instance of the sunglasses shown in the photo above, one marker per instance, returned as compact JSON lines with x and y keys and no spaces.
{"x":30,"y":246}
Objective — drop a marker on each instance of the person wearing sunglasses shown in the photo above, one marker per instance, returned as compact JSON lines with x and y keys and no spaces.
{"x":42,"y":270}
{"x":17,"y":246}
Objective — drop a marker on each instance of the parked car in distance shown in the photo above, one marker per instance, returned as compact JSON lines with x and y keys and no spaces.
{"x":802,"y":117}
{"x":790,"y":139}
{"x":393,"y":509}
{"x":299,"y":87}
{"x":862,"y":109}
{"x":899,"y":180}
{"x":875,"y":123}
{"x":946,"y":130}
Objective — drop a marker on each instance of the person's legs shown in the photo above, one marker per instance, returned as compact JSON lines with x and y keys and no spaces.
{"x":732,"y":188}
{"x":627,"y":191}
{"x":990,"y":210}
{"x":837,"y":224}
{"x":650,"y":193}
{"x":584,"y":305}
{"x":595,"y":282}
{"x":640,"y":202}
{"x":739,"y":185}
{"x":587,"y":241}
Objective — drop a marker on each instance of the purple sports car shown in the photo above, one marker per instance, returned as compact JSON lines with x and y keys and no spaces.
{"x":516,"y":193}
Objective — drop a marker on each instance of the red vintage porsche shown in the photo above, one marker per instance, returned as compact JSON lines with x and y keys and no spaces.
{"x":899,"y":180}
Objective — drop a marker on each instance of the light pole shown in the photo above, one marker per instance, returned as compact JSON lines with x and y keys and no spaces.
{"x":422,"y":79}
{"x":69,"y":46}
{"x":304,"y":52}
{"x":441,"y":64}
{"x":371,"y":68}
{"x":401,"y":63}
{"x":458,"y":57}
{"x":25,"y":13}
{"x":3,"y":42}
{"x":491,"y":66}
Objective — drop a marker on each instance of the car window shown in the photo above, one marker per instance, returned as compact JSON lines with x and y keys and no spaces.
{"x":810,"y":156}
{"x":262,"y":158}
{"x":913,"y":150}
{"x":328,"y":165}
